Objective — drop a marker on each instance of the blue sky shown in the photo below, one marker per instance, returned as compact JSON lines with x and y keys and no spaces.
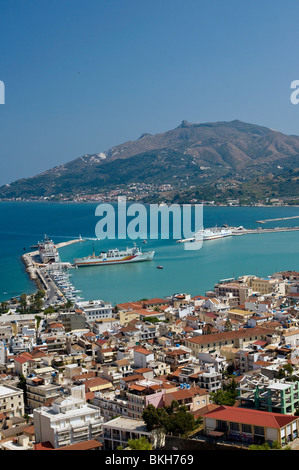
{"x":83,"y":76}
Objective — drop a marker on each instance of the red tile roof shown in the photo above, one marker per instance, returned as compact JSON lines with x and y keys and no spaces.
{"x":143,"y":351}
{"x":86,"y":445}
{"x":252,"y":417}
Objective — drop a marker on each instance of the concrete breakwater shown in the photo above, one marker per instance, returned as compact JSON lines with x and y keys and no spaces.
{"x":29,"y":266}
{"x":273,"y":220}
{"x":264,"y":230}
{"x":33,"y":264}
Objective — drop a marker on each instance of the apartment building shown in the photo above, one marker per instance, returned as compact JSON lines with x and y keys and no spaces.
{"x":95,"y":310}
{"x":277,"y":396}
{"x":72,"y":320}
{"x":268,"y":285}
{"x":234,"y":293}
{"x":118,"y":431}
{"x":69,"y":420}
{"x":11,"y":401}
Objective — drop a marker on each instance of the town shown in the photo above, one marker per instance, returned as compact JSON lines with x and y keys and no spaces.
{"x":210,"y":371}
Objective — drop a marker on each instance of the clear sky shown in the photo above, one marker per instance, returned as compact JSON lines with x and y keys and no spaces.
{"x":84,"y":75}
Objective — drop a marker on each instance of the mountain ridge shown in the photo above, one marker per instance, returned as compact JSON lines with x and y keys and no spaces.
{"x":197,"y":153}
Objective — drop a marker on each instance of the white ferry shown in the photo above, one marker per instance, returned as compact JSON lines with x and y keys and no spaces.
{"x":209,"y":234}
{"x":115,"y":256}
{"x":212,"y":233}
{"x":47,"y":251}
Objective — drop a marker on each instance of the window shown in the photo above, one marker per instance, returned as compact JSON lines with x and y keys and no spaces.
{"x":234,"y":427}
{"x":259,"y":430}
{"x":246,"y":428}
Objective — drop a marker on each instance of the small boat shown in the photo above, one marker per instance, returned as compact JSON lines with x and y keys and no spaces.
{"x":159,"y":267}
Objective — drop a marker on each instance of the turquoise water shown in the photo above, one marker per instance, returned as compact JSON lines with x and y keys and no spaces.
{"x":195,"y":272}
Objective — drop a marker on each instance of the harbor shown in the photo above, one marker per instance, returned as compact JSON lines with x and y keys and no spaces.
{"x":49,"y":273}
{"x":46,"y":269}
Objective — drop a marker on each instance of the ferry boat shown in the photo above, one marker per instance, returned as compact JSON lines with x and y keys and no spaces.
{"x":209,"y":234}
{"x":115,"y":256}
{"x":212,"y":233}
{"x":48,"y":252}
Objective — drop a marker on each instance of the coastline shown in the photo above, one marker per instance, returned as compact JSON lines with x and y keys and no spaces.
{"x":133,"y":201}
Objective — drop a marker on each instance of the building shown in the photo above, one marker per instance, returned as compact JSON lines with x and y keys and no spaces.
{"x":142,"y":357}
{"x":239,"y":314}
{"x":118,"y":431}
{"x":111,"y":403}
{"x":11,"y":401}
{"x":177,"y":357}
{"x":268,"y":285}
{"x":250,"y":426}
{"x":214,"y":342}
{"x":126,"y":316}
{"x":192,"y":397}
{"x":235,"y":293}
{"x":142,"y":393}
{"x":68,"y":421}
{"x":262,"y":393}
{"x":72,"y":320}
{"x":95,"y":309}
{"x":40,"y":388}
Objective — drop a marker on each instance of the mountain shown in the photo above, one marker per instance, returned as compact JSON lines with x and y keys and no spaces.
{"x":191,"y":154}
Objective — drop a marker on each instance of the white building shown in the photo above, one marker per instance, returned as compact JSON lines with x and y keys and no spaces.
{"x":118,"y":431}
{"x":3,"y":353}
{"x":68,"y":421}
{"x":20,"y":343}
{"x":95,"y":309}
{"x":11,"y":401}
{"x":142,"y":357}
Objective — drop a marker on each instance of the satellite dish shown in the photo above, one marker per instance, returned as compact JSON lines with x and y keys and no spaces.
{"x":295,"y":356}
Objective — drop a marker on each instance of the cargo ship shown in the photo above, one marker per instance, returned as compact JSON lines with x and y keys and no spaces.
{"x":115,"y":256}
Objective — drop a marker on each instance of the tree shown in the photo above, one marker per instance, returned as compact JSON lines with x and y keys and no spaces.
{"x":227,"y":396}
{"x":181,"y":422}
{"x":22,"y":385}
{"x":3,"y":308}
{"x":69,"y":304}
{"x":175,"y":419}
{"x":139,"y":444}
{"x":228,"y":325}
{"x":23,"y":303}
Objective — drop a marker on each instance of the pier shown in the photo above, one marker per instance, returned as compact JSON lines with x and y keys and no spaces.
{"x":38,"y":271}
{"x":264,"y":230}
{"x":247,"y":231}
{"x":274,"y":220}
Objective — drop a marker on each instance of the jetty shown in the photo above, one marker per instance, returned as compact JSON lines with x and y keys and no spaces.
{"x":260,"y":230}
{"x":38,"y":271}
{"x":274,"y":220}
{"x":238,"y":231}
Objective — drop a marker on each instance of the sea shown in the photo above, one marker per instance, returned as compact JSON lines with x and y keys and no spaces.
{"x":23,"y":224}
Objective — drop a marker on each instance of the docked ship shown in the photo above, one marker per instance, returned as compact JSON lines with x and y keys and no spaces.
{"x":115,"y":256}
{"x":47,"y":251}
{"x":209,"y":234}
{"x":212,"y":233}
